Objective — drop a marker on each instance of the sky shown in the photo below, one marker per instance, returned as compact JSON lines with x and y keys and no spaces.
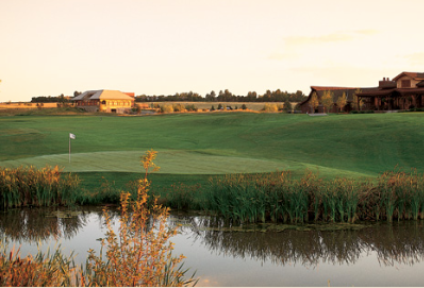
{"x":161,"y":47}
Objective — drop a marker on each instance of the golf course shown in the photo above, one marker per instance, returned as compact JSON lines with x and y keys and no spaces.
{"x":193,"y":147}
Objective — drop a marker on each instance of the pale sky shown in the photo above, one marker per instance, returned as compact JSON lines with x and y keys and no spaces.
{"x":49,"y":47}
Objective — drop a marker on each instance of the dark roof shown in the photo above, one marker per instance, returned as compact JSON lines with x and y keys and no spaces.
{"x":413,"y":75}
{"x":392,"y":92}
{"x":377,"y":92}
{"x":420,"y":84}
{"x":387,"y":84}
{"x":337,"y":92}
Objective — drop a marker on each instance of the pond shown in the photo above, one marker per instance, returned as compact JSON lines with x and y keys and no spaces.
{"x":246,"y":255}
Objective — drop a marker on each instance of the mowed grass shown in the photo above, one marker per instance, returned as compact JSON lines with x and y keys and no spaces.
{"x":201,"y":145}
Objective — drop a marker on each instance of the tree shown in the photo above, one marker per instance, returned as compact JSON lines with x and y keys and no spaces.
{"x":287,"y":106}
{"x":211,"y":96}
{"x":314,"y":101}
{"x":219,"y":106}
{"x":327,"y":100}
{"x":243,"y":107}
{"x":341,"y":101}
{"x":213,"y":108}
{"x":357,"y":103}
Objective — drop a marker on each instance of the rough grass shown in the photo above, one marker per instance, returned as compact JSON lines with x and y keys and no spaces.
{"x":254,"y":106}
{"x":361,"y":145}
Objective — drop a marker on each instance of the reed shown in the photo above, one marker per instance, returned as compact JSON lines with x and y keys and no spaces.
{"x":264,"y":197}
{"x":42,"y":270}
{"x":181,"y":196}
{"x":139,"y":254}
{"x":33,"y":187}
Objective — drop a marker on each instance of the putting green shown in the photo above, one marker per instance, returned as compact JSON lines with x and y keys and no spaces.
{"x":170,"y":162}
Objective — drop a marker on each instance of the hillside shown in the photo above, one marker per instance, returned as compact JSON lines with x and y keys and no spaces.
{"x":358,"y":145}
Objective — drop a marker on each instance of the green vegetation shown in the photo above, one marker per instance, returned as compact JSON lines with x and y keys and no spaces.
{"x":275,"y":197}
{"x":196,"y":145}
{"x":33,"y":187}
{"x":136,"y":255}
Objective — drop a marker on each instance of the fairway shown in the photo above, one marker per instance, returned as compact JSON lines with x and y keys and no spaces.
{"x":359,"y":145}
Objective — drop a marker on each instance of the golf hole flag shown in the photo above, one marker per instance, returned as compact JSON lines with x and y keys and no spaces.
{"x":71,"y":136}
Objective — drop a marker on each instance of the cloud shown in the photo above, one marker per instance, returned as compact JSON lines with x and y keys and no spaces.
{"x":416,"y":59}
{"x":367,"y":32}
{"x":340,"y":36}
{"x":301,"y":40}
{"x":293,"y":44}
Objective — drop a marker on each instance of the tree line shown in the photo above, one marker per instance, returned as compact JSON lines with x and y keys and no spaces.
{"x":50,"y":99}
{"x":222,"y":96}
{"x":226,"y":96}
{"x":53,"y":99}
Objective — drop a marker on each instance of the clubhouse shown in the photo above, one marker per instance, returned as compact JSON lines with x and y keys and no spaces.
{"x":403,"y":92}
{"x":105,"y":101}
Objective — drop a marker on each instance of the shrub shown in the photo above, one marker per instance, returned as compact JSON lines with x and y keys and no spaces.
{"x":220,"y":106}
{"x":137,"y":255}
{"x":213,"y":108}
{"x":270,"y":108}
{"x":297,"y":108}
{"x":179,"y":108}
{"x":287,"y":106}
{"x":191,"y":107}
{"x":243,"y":107}
{"x":166,"y":108}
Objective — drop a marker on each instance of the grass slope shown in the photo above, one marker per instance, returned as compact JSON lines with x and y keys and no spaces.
{"x":205,"y":144}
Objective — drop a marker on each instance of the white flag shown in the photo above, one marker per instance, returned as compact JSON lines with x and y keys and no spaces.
{"x":72,"y":136}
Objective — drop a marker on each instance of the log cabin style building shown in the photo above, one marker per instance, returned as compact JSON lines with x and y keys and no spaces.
{"x":111,"y":101}
{"x":403,"y":92}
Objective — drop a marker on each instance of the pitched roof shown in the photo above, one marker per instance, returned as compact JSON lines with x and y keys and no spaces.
{"x":413,"y":75}
{"x":102,"y":95}
{"x":392,"y":92}
{"x":337,"y":92}
{"x":330,"y":88}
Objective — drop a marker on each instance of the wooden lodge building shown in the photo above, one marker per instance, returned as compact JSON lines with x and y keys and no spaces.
{"x":403,"y":92}
{"x":105,"y":101}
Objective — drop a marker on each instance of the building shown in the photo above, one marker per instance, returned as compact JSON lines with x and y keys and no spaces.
{"x":105,"y":101}
{"x":317,"y":91}
{"x":405,"y":91}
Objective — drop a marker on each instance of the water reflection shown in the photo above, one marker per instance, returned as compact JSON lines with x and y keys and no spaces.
{"x":401,"y":243}
{"x":32,"y":225}
{"x":397,"y":243}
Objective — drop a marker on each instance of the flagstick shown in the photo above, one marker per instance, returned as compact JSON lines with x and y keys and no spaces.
{"x":69,"y":150}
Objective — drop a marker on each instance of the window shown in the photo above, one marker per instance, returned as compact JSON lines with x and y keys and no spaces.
{"x":405,"y":83}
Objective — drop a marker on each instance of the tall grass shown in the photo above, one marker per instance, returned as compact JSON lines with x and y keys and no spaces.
{"x":33,"y":187}
{"x":269,"y":197}
{"x":140,"y":254}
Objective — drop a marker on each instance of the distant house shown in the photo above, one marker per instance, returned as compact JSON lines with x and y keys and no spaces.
{"x":404,"y":91}
{"x":105,"y":101}
{"x":317,"y":91}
